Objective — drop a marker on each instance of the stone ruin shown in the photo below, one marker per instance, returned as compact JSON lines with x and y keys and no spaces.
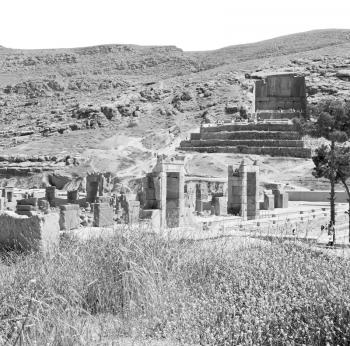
{"x":95,"y":184}
{"x":243,"y":191}
{"x":166,"y":200}
{"x":280,"y":96}
{"x":20,"y":210}
{"x":169,"y":201}
{"x":269,"y":130}
{"x":164,"y":192}
{"x":39,"y":232}
{"x":205,"y":197}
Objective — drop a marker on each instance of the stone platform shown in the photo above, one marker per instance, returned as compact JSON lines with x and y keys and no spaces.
{"x":278,"y":138}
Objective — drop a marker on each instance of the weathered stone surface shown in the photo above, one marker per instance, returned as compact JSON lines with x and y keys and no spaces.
{"x":69,"y":217}
{"x":249,"y":143}
{"x":269,"y":201}
{"x":280,"y":91}
{"x":50,"y":195}
{"x":273,"y":151}
{"x":133,"y":212}
{"x":220,"y":206}
{"x":28,"y":201}
{"x":37,"y":233}
{"x":110,"y":111}
{"x":202,"y":195}
{"x":95,"y":184}
{"x":2,"y":203}
{"x":152,"y":217}
{"x":231,"y":108}
{"x":243,"y":191}
{"x":281,"y":198}
{"x":72,"y":196}
{"x":103,"y":215}
{"x":343,"y":75}
{"x":276,"y":139}
{"x":251,"y":135}
{"x":249,"y":127}
{"x":164,"y":190}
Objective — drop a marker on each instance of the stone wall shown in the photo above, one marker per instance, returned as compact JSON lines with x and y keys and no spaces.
{"x":277,"y":115}
{"x":38,"y":233}
{"x":282,"y":91}
{"x":316,"y":196}
{"x":251,"y":143}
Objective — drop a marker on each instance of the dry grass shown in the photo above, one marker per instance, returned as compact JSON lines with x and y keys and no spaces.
{"x":142,"y":287}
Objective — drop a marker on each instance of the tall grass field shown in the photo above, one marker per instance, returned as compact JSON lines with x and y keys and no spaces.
{"x":144,"y":288}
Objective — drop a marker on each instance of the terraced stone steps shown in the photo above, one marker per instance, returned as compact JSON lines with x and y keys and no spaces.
{"x":278,"y":126}
{"x":273,"y":151}
{"x":249,"y":143}
{"x":278,"y":138}
{"x":285,"y":135}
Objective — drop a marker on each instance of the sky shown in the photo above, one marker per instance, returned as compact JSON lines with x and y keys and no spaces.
{"x":188,"y":24}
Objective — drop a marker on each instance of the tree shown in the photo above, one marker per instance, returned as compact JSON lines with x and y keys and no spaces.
{"x":329,"y":119}
{"x":324,"y":160}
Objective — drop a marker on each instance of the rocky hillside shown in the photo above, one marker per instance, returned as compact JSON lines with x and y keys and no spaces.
{"x":111,"y":107}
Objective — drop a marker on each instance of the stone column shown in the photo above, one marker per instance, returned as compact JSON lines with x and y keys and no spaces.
{"x":269,"y":200}
{"x":2,"y":203}
{"x":181,"y":197}
{"x":243,"y":188}
{"x":252,"y":191}
{"x":101,"y":184}
{"x":236,"y":192}
{"x":162,"y":200}
{"x":201,"y":196}
{"x":50,"y":195}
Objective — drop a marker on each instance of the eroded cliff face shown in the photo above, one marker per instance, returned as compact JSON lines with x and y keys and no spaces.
{"x":112,"y":107}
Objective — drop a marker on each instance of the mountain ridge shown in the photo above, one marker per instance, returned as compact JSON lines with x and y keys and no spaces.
{"x":331,"y":31}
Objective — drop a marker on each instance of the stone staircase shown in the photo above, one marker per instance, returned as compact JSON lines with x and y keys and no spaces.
{"x":275,"y":138}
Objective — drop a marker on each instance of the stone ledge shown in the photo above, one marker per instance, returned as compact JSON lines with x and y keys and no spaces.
{"x":273,"y":151}
{"x":249,"y":143}
{"x":291,"y":135}
{"x":249,"y":127}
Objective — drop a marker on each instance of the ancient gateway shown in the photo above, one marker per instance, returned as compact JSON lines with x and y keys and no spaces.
{"x":269,"y":129}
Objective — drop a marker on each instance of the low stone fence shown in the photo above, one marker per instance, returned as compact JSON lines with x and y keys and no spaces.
{"x":36,"y":233}
{"x":316,"y":196}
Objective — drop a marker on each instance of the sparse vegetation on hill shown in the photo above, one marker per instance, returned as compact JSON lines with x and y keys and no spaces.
{"x":148,"y":289}
{"x":63,"y":100}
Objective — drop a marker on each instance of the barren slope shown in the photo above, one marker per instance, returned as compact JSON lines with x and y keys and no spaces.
{"x":115,"y":106}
